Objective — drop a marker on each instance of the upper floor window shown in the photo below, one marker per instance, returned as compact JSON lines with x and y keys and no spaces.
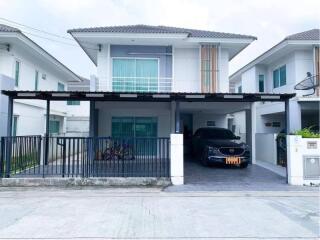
{"x":60,"y":87}
{"x":261,"y":83}
{"x":73,"y":103}
{"x":135,"y":74}
{"x":17,"y":73}
{"x":279,"y":77}
{"x":240,"y":89}
{"x":36,"y":81}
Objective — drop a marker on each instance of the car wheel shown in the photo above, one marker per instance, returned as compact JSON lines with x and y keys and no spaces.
{"x":244,"y":165}
{"x":204,"y":160}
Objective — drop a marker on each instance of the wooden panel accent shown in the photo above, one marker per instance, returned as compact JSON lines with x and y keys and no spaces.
{"x":209,"y":55}
{"x":317,"y":63}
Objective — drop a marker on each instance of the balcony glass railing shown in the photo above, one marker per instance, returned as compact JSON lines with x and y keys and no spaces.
{"x":141,"y":84}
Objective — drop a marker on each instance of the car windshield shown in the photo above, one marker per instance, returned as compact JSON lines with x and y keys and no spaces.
{"x":218,"y":134}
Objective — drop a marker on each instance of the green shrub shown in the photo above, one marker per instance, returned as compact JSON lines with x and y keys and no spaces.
{"x":307,"y":133}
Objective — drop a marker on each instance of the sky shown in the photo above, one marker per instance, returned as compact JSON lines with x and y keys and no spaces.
{"x":269,"y":20}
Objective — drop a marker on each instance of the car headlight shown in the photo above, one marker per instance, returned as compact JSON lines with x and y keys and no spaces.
{"x":212,"y":149}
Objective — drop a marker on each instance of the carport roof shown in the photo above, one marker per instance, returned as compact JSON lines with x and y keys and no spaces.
{"x":148,"y":97}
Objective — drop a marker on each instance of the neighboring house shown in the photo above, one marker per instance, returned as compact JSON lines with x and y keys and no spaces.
{"x":142,"y":58}
{"x":278,"y":70}
{"x":24,"y":65}
{"x":78,"y":111}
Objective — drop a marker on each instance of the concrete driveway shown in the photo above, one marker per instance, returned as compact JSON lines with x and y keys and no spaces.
{"x":102,"y":213}
{"x":220,"y":178}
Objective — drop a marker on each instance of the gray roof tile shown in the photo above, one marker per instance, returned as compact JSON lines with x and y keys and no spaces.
{"x":313,"y":34}
{"x":161,"y":30}
{"x":5,"y":28}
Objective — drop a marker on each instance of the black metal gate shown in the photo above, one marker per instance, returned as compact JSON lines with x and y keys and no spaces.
{"x":27,"y":156}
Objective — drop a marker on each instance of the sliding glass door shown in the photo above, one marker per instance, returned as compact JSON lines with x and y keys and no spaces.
{"x":135,"y":75}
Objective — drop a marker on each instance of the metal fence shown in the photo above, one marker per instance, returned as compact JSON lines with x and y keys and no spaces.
{"x":37,"y":156}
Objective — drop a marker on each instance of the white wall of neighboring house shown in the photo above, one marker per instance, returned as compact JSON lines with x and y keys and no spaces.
{"x":6,"y":83}
{"x":270,"y":117}
{"x":31,"y":113}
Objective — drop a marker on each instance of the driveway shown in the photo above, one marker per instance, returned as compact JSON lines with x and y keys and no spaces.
{"x":219,"y":178}
{"x":150,"y":213}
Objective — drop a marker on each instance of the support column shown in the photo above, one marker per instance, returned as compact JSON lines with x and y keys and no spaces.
{"x":10,"y":116}
{"x":253,"y":132}
{"x":177,"y":117}
{"x":92,"y":118}
{"x":176,"y":159}
{"x":9,"y":134}
{"x":46,"y":149}
{"x":287,"y":131}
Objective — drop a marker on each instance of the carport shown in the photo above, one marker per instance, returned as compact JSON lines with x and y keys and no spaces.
{"x":177,"y":105}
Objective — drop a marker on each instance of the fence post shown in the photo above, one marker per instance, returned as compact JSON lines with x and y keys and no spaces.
{"x":8,"y":156}
{"x":63,"y":157}
{"x":176,"y":159}
{"x":1,"y":156}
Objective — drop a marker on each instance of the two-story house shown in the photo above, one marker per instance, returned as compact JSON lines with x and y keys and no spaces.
{"x":140,"y":58}
{"x":278,"y":70}
{"x":24,"y":65}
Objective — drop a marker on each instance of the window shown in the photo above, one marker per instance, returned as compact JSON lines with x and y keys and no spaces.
{"x":138,"y":75}
{"x":261,"y":83}
{"x":36,"y":80}
{"x":140,"y":127}
{"x":134,"y":127}
{"x":240,"y":89}
{"x":60,"y":87}
{"x":14,"y":125}
{"x":279,"y":77}
{"x":73,"y":103}
{"x":17,"y":73}
{"x":54,"y":127}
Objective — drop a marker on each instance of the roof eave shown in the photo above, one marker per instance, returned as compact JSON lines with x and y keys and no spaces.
{"x":41,"y":51}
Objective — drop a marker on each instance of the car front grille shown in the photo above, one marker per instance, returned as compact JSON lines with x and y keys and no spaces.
{"x":230,"y":151}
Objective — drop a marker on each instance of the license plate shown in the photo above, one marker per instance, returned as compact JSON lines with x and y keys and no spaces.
{"x":233,"y":160}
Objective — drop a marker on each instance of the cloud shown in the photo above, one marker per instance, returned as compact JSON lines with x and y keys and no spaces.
{"x":269,"y":20}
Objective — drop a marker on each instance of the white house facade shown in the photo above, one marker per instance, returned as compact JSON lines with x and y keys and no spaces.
{"x":278,"y":70}
{"x":159,"y":59}
{"x":24,"y":65}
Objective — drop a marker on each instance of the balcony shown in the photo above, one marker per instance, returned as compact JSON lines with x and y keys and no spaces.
{"x":141,"y":84}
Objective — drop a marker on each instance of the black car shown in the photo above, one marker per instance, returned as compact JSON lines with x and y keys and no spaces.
{"x":220,"y":145}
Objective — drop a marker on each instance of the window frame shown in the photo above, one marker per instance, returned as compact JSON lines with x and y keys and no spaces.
{"x":73,"y":102}
{"x":279,"y":82}
{"x":61,"y":84}
{"x":36,"y":80}
{"x":17,"y":76}
{"x":50,"y":126}
{"x":239,"y":89}
{"x":135,"y":59}
{"x":261,"y":81}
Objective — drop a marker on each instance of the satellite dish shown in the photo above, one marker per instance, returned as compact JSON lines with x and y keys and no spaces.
{"x":310,"y":82}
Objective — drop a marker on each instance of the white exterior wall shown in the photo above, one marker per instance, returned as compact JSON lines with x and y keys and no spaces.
{"x":223,"y":75}
{"x":6,"y":83}
{"x":200,"y":120}
{"x":266,"y":147}
{"x":186,"y":70}
{"x":239,"y":120}
{"x":32,"y":109}
{"x":248,"y":82}
{"x":298,"y":149}
{"x":104,"y":81}
{"x":107,"y":110}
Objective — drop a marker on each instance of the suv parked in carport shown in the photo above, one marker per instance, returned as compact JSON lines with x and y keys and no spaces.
{"x":220,"y":145}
